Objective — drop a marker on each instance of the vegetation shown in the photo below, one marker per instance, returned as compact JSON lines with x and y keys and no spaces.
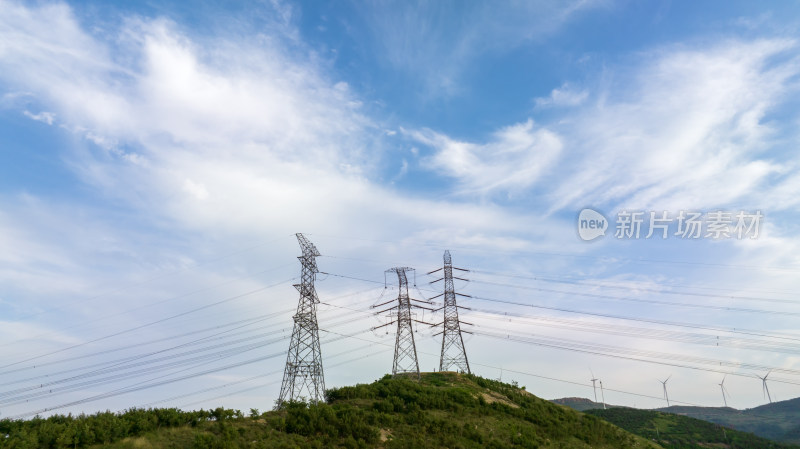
{"x":441,"y":410}
{"x":682,"y":432}
{"x":580,"y":404}
{"x":777,"y":421}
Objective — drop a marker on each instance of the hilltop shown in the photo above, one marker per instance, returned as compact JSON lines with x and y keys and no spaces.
{"x":440,"y":410}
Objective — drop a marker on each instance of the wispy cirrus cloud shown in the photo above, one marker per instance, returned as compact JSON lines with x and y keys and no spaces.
{"x":228,"y":138}
{"x":425,"y":39}
{"x":689,"y":128}
{"x":158,"y":86}
{"x":682,"y":127}
{"x":513,"y":160}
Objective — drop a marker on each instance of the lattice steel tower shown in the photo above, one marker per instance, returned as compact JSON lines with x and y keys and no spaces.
{"x":453,"y":352}
{"x":303,"y":378}
{"x":405,"y":350}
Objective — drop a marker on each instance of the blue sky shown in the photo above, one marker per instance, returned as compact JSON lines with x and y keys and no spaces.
{"x":156,"y":158}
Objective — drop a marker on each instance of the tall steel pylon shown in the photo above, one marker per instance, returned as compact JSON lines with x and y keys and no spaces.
{"x":405,"y":350}
{"x":303,"y":377}
{"x":453,"y":352}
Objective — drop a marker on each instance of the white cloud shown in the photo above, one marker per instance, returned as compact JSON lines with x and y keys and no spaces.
{"x":685,"y":130}
{"x":44,"y":116}
{"x":565,"y":95}
{"x":785,"y":194}
{"x":260,"y":135}
{"x":277,"y":143}
{"x":196,"y":190}
{"x":515,"y":159}
{"x":163,"y":89}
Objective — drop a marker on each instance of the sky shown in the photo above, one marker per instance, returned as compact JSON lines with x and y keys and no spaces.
{"x":157,"y":159}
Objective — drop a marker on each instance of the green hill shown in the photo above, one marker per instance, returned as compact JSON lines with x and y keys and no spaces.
{"x":779,"y":421}
{"x":441,"y":410}
{"x":677,"y":431}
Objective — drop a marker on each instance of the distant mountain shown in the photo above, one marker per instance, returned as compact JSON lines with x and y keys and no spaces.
{"x":779,"y":421}
{"x":682,"y":432}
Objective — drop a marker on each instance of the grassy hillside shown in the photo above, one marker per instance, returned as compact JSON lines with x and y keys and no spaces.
{"x":442,"y":410}
{"x":676,"y":431}
{"x":778,"y":421}
{"x":581,"y":404}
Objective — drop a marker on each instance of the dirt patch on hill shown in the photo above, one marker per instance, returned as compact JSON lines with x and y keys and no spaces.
{"x":497,"y":397}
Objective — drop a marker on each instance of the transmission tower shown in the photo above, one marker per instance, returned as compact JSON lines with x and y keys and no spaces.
{"x":405,"y":350}
{"x":303,"y":377}
{"x":453,"y":352}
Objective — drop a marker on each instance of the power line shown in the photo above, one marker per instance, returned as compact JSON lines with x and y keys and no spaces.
{"x":607,"y":351}
{"x":149,"y":324}
{"x":645,"y":301}
{"x":584,"y":282}
{"x":238,"y":323}
{"x":175,"y":361}
{"x":249,"y":379}
{"x":272,"y":382}
{"x":644,"y":320}
{"x":659,"y":322}
{"x":152,"y":383}
{"x":142,"y":387}
{"x":743,"y":331}
{"x":639,"y":332}
{"x":113,"y":363}
{"x":170,"y":362}
{"x":170,"y":359}
{"x":155,"y":278}
{"x":522,"y":372}
{"x":247,"y":322}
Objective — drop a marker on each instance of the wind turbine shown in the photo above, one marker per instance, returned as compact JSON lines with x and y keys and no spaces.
{"x":724,"y":390}
{"x":594,"y":379}
{"x":664,"y":384}
{"x":765,"y":389}
{"x":603,"y":394}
